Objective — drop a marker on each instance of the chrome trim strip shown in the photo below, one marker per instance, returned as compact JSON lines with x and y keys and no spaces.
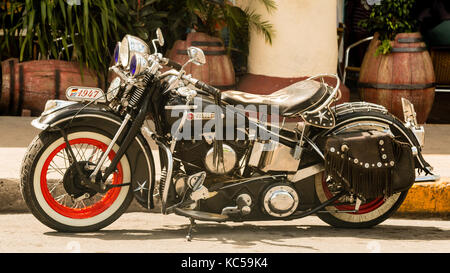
{"x":307,"y":172}
{"x":314,"y":146}
{"x":180,"y":107}
{"x":165,"y":193}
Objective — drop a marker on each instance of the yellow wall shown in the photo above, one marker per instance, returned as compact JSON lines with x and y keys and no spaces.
{"x":305,"y":42}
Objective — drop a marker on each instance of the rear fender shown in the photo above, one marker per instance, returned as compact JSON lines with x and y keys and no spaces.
{"x":353,"y":111}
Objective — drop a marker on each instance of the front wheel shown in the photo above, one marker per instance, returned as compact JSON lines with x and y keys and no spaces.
{"x":53,"y":192}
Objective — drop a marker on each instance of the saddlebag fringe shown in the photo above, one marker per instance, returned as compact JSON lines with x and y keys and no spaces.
{"x":364,"y":162}
{"x":368,"y":182}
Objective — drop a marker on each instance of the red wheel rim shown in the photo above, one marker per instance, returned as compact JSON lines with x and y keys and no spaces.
{"x":88,"y":211}
{"x":364,"y":208}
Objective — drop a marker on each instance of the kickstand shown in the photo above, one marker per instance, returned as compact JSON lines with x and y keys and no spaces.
{"x":191,"y":226}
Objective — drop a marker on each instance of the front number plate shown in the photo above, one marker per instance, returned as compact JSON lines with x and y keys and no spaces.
{"x":79,"y":93}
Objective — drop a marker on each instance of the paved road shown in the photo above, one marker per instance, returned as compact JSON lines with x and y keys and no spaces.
{"x":144,"y":232}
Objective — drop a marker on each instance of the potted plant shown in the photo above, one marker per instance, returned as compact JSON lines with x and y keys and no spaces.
{"x":212,"y":22}
{"x":58,"y":44}
{"x":397,"y":63}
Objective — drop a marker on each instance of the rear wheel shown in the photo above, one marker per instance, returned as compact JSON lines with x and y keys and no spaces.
{"x":373,"y":211}
{"x":53,"y":191}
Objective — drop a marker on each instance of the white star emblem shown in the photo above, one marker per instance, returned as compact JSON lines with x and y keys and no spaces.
{"x":141,"y":187}
{"x":321,"y":116}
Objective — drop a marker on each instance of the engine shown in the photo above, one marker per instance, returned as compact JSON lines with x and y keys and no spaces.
{"x":201,"y":154}
{"x":230,"y":160}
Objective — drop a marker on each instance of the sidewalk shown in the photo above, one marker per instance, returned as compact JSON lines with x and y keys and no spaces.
{"x":428,"y":199}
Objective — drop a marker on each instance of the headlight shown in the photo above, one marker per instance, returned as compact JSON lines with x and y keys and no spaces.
{"x":116,"y":53}
{"x":129,"y":45}
{"x":138,"y":63}
{"x":113,"y":89}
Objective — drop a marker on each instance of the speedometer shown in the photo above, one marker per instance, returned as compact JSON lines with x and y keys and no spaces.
{"x":113,"y":89}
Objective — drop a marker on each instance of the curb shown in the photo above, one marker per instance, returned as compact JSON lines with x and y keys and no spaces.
{"x":11,"y":200}
{"x":431,"y":199}
{"x":424,"y":200}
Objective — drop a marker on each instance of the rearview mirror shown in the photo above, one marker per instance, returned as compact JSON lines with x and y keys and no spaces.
{"x":160,"y":37}
{"x":196,"y":55}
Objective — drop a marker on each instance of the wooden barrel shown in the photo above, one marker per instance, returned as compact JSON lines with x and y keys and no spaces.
{"x":218,"y":70}
{"x":405,"y":72}
{"x":28,"y":85}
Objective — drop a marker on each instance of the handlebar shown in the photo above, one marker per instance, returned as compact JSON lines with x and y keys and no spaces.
{"x":208,"y":88}
{"x":171,"y":63}
{"x":174,"y":65}
{"x":180,"y":74}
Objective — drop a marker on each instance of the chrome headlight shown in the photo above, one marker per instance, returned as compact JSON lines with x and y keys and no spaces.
{"x":138,"y":63}
{"x":129,"y":45}
{"x":113,"y":89}
{"x":116,"y":53}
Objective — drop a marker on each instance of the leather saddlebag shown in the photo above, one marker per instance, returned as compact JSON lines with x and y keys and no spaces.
{"x":371,"y":164}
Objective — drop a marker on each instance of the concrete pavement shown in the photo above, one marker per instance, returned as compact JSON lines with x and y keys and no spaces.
{"x":143,"y":232}
{"x":424,"y":199}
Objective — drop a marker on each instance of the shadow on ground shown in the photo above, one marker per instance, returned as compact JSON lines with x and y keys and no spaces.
{"x":247,"y":234}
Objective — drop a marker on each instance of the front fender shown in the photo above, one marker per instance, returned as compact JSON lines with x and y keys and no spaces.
{"x":65,"y":114}
{"x":57,"y":111}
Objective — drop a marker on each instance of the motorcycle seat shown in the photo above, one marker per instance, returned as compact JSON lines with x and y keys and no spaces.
{"x":290,"y":100}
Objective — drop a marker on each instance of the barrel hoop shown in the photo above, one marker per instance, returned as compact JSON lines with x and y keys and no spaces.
{"x":396,"y":86}
{"x":409,"y":40}
{"x":12,"y":84}
{"x":408,"y":49}
{"x":21,"y":91}
{"x":205,"y":43}
{"x":207,"y":52}
{"x":225,"y":87}
{"x":57,"y":83}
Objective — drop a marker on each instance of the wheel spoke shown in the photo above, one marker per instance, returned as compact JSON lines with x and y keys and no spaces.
{"x":60,"y":189}
{"x":60,"y":198}
{"x":56,"y":168}
{"x":54,"y":185}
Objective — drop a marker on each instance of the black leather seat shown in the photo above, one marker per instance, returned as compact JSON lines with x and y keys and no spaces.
{"x":292,"y":99}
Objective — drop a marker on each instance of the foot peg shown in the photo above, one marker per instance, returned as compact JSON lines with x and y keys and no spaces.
{"x":195,"y":181}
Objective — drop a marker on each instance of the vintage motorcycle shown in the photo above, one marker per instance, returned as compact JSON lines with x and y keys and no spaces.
{"x":350,"y":164}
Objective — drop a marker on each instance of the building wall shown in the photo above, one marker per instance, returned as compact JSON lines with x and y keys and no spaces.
{"x":305,"y":41}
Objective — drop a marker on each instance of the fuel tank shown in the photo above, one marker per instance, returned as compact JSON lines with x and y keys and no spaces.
{"x":201,"y":117}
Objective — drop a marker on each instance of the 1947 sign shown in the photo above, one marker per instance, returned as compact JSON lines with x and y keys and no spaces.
{"x":79,"y":93}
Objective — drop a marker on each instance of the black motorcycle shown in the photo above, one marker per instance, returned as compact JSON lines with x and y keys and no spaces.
{"x":350,"y":164}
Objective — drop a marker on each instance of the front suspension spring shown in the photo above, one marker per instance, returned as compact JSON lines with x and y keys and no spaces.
{"x":139,"y":91}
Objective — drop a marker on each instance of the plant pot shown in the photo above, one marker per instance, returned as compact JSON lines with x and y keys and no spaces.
{"x":218,"y":70}
{"x":28,"y":85}
{"x":405,"y":72}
